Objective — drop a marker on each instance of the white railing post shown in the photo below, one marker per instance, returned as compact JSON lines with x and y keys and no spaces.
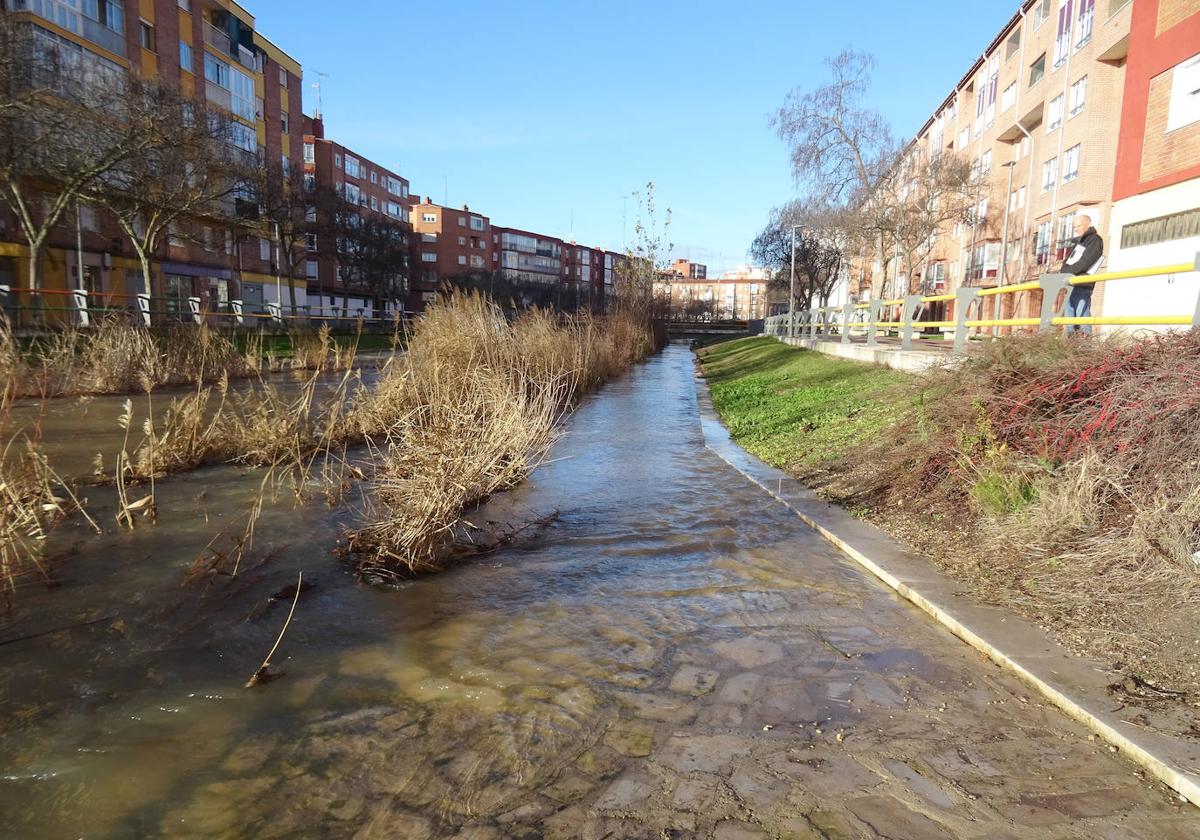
{"x":79,"y":297}
{"x":963,"y":300}
{"x":911,"y":302}
{"x":194,"y":307}
{"x":239,"y":317}
{"x":143,"y":302}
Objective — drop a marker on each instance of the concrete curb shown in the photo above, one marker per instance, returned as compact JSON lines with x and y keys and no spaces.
{"x":1076,"y":686}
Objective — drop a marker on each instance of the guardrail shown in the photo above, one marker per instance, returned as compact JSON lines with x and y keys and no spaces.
{"x":35,"y":308}
{"x":903,"y":315}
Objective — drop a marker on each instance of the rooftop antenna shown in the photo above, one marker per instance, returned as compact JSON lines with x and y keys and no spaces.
{"x":572,"y":225}
{"x":317,"y":86}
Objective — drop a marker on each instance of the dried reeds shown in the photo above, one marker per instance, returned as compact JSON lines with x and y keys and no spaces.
{"x":472,"y":409}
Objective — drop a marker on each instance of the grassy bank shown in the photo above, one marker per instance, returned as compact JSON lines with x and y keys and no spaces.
{"x":1058,"y":478}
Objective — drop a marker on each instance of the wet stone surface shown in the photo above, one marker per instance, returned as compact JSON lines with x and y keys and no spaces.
{"x":676,"y":657}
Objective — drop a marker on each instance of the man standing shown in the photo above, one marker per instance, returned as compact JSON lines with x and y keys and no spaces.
{"x":1083,"y":259}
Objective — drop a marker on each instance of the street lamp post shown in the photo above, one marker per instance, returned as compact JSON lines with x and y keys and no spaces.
{"x":1003,"y":273}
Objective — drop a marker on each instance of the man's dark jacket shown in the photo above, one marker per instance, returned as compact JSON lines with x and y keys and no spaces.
{"x":1086,"y":254}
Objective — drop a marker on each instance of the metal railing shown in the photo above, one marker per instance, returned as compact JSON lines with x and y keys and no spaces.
{"x":903,"y":316}
{"x":41,"y":309}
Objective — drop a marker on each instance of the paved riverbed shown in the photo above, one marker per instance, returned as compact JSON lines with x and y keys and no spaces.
{"x":675,"y":655}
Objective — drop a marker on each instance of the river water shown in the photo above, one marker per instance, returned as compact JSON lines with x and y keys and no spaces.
{"x":673,"y":655}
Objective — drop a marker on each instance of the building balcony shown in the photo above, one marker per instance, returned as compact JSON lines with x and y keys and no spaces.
{"x":217,"y":39}
{"x":103,"y":37}
{"x":218,"y":95}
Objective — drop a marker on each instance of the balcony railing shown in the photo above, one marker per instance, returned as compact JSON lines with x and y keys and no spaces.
{"x":218,"y":95}
{"x":102,"y":36}
{"x":216,"y":38}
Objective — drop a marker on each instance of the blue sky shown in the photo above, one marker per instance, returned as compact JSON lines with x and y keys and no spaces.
{"x":532,"y":112}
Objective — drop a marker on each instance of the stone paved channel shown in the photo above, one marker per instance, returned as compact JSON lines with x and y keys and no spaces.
{"x":676,"y":656}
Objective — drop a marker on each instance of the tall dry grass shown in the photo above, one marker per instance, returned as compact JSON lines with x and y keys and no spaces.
{"x":471,"y":409}
{"x":1061,"y":477}
{"x":117,"y":357}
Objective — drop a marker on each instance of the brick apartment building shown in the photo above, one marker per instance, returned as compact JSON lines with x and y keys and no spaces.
{"x":207,"y":48}
{"x":688,"y":270}
{"x":740,"y":294}
{"x":448,"y":242}
{"x":526,"y":257}
{"x":1156,"y":215}
{"x":378,"y":192}
{"x":1034,"y":115}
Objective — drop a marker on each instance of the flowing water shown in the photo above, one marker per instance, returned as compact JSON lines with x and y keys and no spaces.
{"x":673,"y":655}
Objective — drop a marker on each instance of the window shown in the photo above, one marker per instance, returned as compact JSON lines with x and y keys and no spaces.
{"x":1071,"y":164}
{"x":283,"y":81}
{"x":1066,"y":233}
{"x":285,"y":165}
{"x":1087,"y":15}
{"x":1037,"y":70}
{"x":1049,"y":174}
{"x":264,"y":249}
{"x":429,"y":237}
{"x":476,"y":261}
{"x":243,"y":137}
{"x":1054,"y":113}
{"x":187,"y":60}
{"x":216,"y":71}
{"x":393,"y":210}
{"x":476,"y":223}
{"x":374,"y":177}
{"x":462,"y":260}
{"x":1185,"y":94}
{"x":462,"y":240}
{"x":337,"y":160}
{"x":186,"y":5}
{"x":310,"y":182}
{"x":462,"y":221}
{"x":1078,"y":96}
{"x":310,"y":153}
{"x":241,"y":90}
{"x":207,"y":234}
{"x":283,"y":122}
{"x":1062,"y":42}
{"x":87,"y":217}
{"x":428,"y":256}
{"x":431,"y":218}
{"x":310,"y":243}
{"x":1013,"y":46}
{"x":985,"y":163}
{"x":146,"y":35}
{"x":1041,"y":14}
{"x":352,"y":193}
{"x":374,"y":203}
{"x":1008,"y":98}
{"x":352,"y":167}
{"x":393,"y":186}
{"x":964,"y":138}
{"x":310,"y":269}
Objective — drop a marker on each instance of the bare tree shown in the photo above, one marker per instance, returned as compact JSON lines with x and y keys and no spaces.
{"x":821,"y":233}
{"x":66,"y":124}
{"x":189,"y":172}
{"x":840,"y":148}
{"x":918,"y":200}
{"x":290,"y":203}
{"x":634,"y":279}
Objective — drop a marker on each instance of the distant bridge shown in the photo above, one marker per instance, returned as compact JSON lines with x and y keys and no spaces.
{"x":710,"y":331}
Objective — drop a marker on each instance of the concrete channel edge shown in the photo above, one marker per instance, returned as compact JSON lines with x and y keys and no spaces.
{"x":1070,"y":683}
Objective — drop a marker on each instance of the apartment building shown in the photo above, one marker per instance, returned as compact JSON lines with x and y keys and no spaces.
{"x":688,"y":270}
{"x":1156,"y":212}
{"x":207,"y":48}
{"x":1035,"y":116}
{"x":737,"y":295}
{"x":379,"y":193}
{"x":585,"y":274}
{"x":526,"y":257}
{"x":448,"y":242}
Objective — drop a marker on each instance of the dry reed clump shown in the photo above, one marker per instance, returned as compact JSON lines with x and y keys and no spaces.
{"x":473,"y":407}
{"x":118,"y":357}
{"x":1075,"y":466}
{"x":33,"y":499}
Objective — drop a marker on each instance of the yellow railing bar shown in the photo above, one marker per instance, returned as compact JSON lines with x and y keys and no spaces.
{"x":1178,"y":268}
{"x":1015,"y":287}
{"x":936,"y":298}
